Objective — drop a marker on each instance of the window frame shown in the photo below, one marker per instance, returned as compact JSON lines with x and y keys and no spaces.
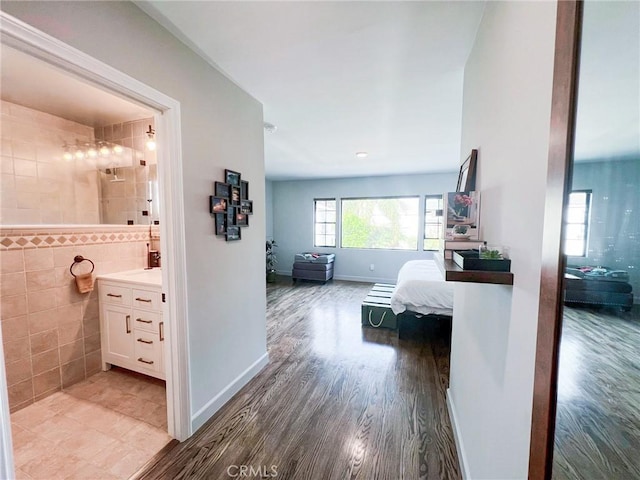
{"x":586,"y":222}
{"x":383,"y":197}
{"x":316,"y":223}
{"x":440,"y":222}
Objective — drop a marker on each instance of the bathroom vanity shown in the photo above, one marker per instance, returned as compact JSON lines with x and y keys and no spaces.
{"x":131,"y":326}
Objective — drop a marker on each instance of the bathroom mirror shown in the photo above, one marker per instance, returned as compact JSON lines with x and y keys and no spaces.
{"x":71,"y":152}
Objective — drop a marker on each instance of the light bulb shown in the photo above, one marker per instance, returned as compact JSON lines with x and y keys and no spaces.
{"x":92,"y":152}
{"x":79,"y":154}
{"x":67,"y":156}
{"x":151,"y":144}
{"x":104,"y":151}
{"x":117,"y":149}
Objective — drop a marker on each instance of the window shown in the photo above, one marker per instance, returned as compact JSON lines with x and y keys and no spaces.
{"x":324,"y":222}
{"x":387,"y":223}
{"x":432,"y":222}
{"x":577,"y":223}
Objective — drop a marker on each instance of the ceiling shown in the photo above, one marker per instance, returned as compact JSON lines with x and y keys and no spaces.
{"x":62,"y":94}
{"x":337,"y":78}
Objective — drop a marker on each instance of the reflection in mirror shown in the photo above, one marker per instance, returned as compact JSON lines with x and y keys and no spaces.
{"x":598,"y":405}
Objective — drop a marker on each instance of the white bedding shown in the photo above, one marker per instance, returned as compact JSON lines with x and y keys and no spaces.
{"x":421,"y":288}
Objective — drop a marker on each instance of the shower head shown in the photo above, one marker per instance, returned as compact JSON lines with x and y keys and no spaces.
{"x":115,"y":178}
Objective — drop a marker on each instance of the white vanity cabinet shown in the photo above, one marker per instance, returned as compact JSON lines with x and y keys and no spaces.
{"x":131,"y":325}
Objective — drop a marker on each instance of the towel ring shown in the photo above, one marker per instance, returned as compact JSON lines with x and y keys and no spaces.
{"x":79,"y":259}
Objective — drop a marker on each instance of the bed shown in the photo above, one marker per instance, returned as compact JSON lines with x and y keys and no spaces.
{"x":421,"y":290}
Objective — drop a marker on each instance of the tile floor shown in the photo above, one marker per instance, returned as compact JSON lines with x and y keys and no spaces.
{"x":105,"y":427}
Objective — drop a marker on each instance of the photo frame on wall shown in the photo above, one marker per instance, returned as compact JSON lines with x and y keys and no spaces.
{"x":235,"y":195}
{"x":242,"y":219}
{"x":217,"y":204}
{"x":467,"y":174}
{"x":231,"y":177}
{"x":221,"y":223}
{"x":230,"y":205}
{"x":222,"y":189}
{"x":246,"y":207}
{"x":233,"y":233}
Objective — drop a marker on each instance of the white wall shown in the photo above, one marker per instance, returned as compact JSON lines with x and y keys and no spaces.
{"x":221,"y":128}
{"x":506,"y":114}
{"x":293,"y":221}
{"x":268,"y":204}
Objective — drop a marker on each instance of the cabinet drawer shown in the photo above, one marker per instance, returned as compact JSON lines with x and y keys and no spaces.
{"x":148,"y":350}
{"x":114,"y":295}
{"x":146,"y":320}
{"x":147,"y":299}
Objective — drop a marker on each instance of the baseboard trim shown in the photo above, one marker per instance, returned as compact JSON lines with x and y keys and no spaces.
{"x":457,"y":436}
{"x":213,"y":405}
{"x":349,"y":278}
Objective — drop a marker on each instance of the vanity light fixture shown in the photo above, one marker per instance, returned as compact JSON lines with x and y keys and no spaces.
{"x":151,"y":139}
{"x":362,"y":154}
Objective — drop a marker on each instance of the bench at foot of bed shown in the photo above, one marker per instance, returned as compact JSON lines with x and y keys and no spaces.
{"x":376,"y":308}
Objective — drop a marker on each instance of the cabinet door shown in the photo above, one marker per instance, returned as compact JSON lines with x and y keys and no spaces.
{"x":118,"y":330}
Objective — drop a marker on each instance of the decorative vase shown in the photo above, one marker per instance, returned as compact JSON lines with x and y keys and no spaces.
{"x":271,"y":276}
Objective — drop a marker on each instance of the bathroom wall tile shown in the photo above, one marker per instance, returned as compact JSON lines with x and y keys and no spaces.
{"x":16,"y":349}
{"x":7,"y":182}
{"x":92,"y":343}
{"x":93,"y":362}
{"x":46,"y":394}
{"x":69,"y":332}
{"x":38,"y":259}
{"x":6,"y":165}
{"x":41,"y":342}
{"x":139,"y":127}
{"x":12,"y":284}
{"x":69,"y":313}
{"x":25,"y":168}
{"x":116,"y":133}
{"x":71,"y":351}
{"x":41,"y":300}
{"x":14,"y":328}
{"x":63,"y":256}
{"x":11,"y":261}
{"x":46,"y":381}
{"x":127,"y":130}
{"x":72,"y":372}
{"x":42,"y":321}
{"x":13,"y":306}
{"x":68,"y":295}
{"x":27,"y":184}
{"x":8,"y":199}
{"x":91,"y":325}
{"x":18,"y":371}
{"x":21,"y":394}
{"x":28,"y":200}
{"x":41,"y":280}
{"x":23,"y":150}
{"x":50,"y":216}
{"x":45,"y":361}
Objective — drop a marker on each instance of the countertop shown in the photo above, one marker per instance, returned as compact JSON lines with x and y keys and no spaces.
{"x":150,"y":278}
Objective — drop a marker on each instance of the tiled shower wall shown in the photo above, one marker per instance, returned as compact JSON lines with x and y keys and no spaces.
{"x":51,"y":333}
{"x":125,"y":201}
{"x":38,"y":185}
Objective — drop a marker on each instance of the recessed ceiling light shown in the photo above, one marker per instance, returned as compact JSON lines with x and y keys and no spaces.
{"x":362,"y":154}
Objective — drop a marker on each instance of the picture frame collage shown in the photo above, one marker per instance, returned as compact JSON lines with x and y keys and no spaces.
{"x":230,"y":206}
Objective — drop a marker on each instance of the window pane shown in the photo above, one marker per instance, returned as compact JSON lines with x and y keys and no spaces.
{"x":325,"y":219}
{"x":432,"y":231}
{"x":386,"y":223}
{"x":576,"y":214}
{"x":577,"y":223}
{"x":431,"y":244}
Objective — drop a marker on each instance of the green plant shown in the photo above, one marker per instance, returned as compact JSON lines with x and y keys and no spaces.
{"x":491,"y":254}
{"x":272,"y":259}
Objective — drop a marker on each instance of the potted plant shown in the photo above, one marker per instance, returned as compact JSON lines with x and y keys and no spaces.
{"x":271,"y":261}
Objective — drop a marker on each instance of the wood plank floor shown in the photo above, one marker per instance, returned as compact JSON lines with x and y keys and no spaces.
{"x":335,"y":402}
{"x":598,"y":417}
